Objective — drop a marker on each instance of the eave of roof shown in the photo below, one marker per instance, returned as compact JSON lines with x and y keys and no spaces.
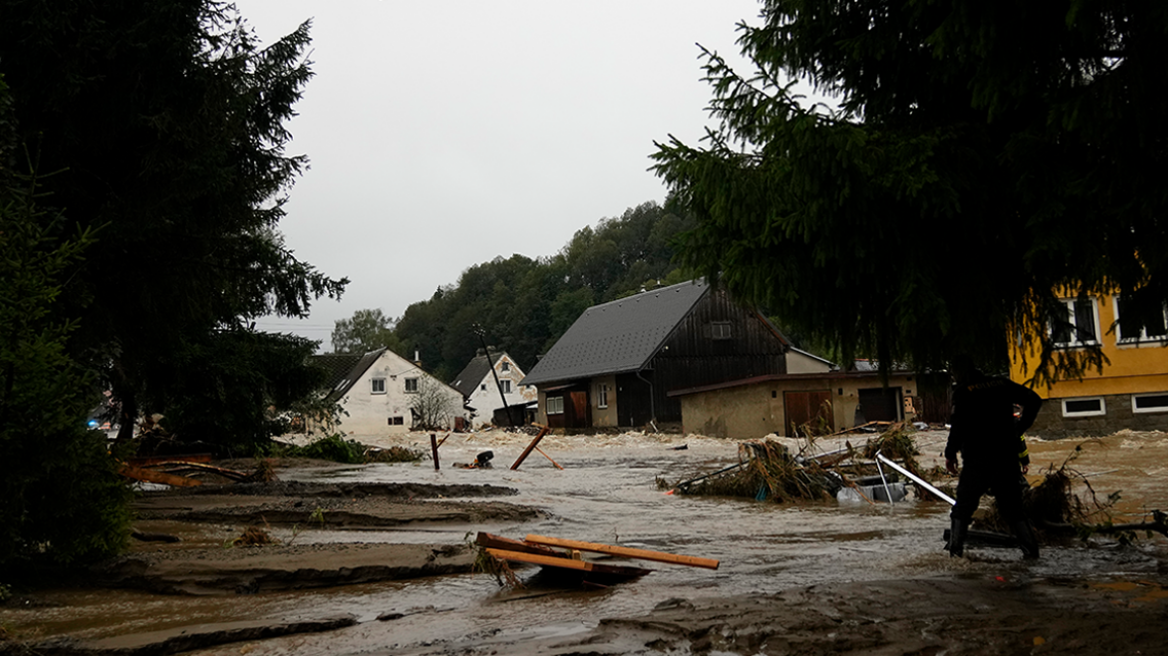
{"x":824,"y":375}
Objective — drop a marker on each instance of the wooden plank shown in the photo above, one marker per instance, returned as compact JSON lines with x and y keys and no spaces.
{"x":508,"y":544}
{"x":139,"y":474}
{"x":536,"y":559}
{"x":643,"y":554}
{"x":526,"y":452}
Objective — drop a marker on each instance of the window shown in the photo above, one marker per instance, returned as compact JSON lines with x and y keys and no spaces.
{"x":506,"y":386}
{"x":602,"y":396}
{"x":411,"y":386}
{"x":554,"y":405}
{"x":377,"y":385}
{"x":720,"y":330}
{"x":1135,"y":329}
{"x":483,"y":387}
{"x":1079,"y":325}
{"x":506,"y":367}
{"x":1085,"y":407}
{"x":395,"y":421}
{"x":1149,"y":402}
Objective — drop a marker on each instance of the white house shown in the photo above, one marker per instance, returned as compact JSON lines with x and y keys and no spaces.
{"x":383,"y":392}
{"x":476,"y":382}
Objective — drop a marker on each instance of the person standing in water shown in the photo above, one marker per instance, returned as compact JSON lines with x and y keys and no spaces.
{"x":992,"y":444}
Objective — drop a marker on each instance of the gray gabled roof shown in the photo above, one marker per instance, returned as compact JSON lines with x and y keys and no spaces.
{"x":617,"y":337}
{"x":344,"y":369}
{"x":473,"y":373}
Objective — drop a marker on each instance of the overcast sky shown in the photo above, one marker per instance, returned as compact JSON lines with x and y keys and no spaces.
{"x":445,"y":134}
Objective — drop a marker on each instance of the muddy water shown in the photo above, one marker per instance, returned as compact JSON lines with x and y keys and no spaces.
{"x":607,"y":493}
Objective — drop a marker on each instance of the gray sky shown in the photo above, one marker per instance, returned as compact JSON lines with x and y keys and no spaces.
{"x":444,"y":134}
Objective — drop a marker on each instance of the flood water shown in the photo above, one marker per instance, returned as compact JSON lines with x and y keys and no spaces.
{"x":607,"y":493}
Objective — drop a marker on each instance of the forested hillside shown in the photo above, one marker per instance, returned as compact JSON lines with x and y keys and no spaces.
{"x":523,"y":305}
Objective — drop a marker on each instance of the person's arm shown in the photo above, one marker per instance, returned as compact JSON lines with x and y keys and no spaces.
{"x":953,"y":445}
{"x":1031,"y":403}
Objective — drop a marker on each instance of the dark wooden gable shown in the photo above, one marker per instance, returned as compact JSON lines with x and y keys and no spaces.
{"x":717,"y":341}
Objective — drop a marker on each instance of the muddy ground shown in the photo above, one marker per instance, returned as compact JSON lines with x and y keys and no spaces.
{"x":191,"y":544}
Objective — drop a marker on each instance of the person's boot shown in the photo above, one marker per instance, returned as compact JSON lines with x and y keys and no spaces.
{"x":1026,"y":539}
{"x":957,"y":532}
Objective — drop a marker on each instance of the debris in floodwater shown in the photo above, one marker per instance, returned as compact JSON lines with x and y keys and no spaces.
{"x":496,"y":552}
{"x":768,"y":471}
{"x":1053,"y":506}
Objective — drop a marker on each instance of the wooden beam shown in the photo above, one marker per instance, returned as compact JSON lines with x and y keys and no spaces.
{"x":549,"y":458}
{"x":643,"y":554}
{"x":536,"y":559}
{"x":543,"y":430}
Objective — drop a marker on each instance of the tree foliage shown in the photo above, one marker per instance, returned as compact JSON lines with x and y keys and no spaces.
{"x":61,"y":500}
{"x":166,"y":122}
{"x":366,"y":330}
{"x":984,"y":159}
{"x":523,"y":305}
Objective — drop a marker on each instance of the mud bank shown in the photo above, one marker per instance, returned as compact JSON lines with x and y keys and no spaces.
{"x":951,"y":616}
{"x":195,"y":541}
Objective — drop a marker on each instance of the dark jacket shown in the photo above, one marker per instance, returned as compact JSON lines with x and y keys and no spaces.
{"x":983,"y":427}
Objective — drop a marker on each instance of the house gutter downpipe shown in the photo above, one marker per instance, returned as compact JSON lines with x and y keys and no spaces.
{"x":652,"y":406}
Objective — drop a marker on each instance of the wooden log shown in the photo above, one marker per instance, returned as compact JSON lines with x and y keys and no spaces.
{"x":530,"y":447}
{"x":151,"y":476}
{"x":147,"y":461}
{"x":226,"y":473}
{"x":537,"y":559}
{"x":434,"y":449}
{"x":643,"y":554}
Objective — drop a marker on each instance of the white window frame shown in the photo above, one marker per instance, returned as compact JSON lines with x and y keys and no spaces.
{"x":1142,"y":338}
{"x":554,"y":405}
{"x":377,"y":385}
{"x":1072,"y":319}
{"x":1138,"y":410}
{"x":1085,"y":413}
{"x":602,"y":395}
{"x":411,"y":382}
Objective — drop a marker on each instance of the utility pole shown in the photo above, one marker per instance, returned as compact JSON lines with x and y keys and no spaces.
{"x":478,"y":330}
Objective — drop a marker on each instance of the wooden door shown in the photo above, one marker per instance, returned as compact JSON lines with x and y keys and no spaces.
{"x":808,"y":413}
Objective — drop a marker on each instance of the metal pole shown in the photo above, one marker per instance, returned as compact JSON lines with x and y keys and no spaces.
{"x":919,"y":481}
{"x":487,"y":352}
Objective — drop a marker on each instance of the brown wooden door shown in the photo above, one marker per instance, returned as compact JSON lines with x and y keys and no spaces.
{"x":579,"y":401}
{"x":808,"y":413}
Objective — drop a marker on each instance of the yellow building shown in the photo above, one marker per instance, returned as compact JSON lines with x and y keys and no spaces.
{"x":1130,"y":392}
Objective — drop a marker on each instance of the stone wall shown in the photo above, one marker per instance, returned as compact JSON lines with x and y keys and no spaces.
{"x":1051,"y":423}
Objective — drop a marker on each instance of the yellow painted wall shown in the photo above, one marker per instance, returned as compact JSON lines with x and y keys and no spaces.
{"x":1133,"y":368}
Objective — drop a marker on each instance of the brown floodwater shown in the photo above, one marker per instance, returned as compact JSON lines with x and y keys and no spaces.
{"x":607,"y":492}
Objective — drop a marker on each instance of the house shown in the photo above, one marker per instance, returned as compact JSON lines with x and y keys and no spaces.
{"x":477,"y":383}
{"x":381,"y":392}
{"x":1130,"y":392}
{"x":616,"y":364}
{"x":817,"y":399}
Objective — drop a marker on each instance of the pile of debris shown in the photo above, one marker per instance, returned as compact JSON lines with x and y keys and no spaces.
{"x":768,"y":470}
